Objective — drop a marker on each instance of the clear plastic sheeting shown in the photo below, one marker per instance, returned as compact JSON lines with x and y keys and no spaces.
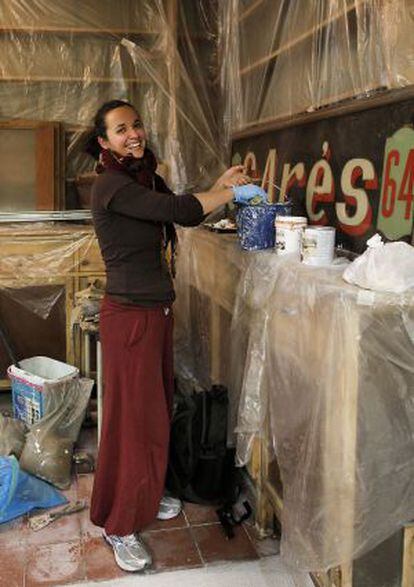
{"x":285,"y":58}
{"x":334,"y":366}
{"x":62,"y":59}
{"x":206,"y":284}
{"x":195,"y":70}
{"x":43,"y":254}
{"x":322,"y":371}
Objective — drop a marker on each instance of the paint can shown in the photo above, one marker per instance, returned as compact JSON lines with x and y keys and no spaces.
{"x":318,"y":245}
{"x":289,"y":231}
{"x":255,"y":224}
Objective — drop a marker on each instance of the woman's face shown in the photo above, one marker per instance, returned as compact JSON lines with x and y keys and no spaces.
{"x":125,"y":133}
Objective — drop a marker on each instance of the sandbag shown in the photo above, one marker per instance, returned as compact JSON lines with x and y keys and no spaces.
{"x":49,"y":444}
{"x":48,"y":456}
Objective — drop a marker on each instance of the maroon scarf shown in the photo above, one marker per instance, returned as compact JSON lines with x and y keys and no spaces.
{"x":142,"y":170}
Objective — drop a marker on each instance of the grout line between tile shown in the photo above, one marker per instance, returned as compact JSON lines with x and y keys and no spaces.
{"x":252,"y":542}
{"x":203,"y":562}
{"x":185,"y":517}
{"x":157,"y":530}
{"x":201,"y":524}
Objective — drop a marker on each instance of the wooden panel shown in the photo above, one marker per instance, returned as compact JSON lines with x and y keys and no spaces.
{"x":49,"y":164}
{"x":45,"y":168}
{"x":17,"y":169}
{"x":408,"y":558}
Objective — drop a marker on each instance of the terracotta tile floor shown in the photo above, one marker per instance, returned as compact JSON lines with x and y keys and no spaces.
{"x":71,"y":549}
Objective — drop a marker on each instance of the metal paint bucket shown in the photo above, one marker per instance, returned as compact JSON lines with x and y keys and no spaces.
{"x":256,"y":225}
{"x":289,"y":231}
{"x":318,"y":245}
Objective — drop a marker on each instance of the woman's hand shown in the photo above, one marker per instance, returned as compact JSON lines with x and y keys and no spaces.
{"x":232,"y":177}
{"x":245,"y":193}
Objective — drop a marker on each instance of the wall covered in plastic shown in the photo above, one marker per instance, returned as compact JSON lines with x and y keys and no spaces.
{"x":196,"y":70}
{"x":286,"y":57}
{"x":61,"y":60}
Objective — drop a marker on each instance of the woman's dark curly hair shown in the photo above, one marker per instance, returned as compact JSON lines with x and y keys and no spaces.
{"x":92,"y":146}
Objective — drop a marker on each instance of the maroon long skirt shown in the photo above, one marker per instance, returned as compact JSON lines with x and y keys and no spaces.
{"x":138,"y":388}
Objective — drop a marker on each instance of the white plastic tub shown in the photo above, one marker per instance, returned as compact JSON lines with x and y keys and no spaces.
{"x":28,"y":384}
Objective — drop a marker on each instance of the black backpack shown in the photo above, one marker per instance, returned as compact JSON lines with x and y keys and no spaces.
{"x":201,"y":469}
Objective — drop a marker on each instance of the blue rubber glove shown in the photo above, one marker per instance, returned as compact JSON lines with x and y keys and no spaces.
{"x":244,"y":193}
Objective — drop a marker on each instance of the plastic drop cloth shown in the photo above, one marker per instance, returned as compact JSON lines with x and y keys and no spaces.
{"x":40,"y":254}
{"x":196,"y":70}
{"x":206,"y":285}
{"x":284,"y":58}
{"x":20,"y":493}
{"x":327,"y":368}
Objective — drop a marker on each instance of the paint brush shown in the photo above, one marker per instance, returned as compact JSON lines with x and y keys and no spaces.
{"x":257,"y":180}
{"x":40,"y":521}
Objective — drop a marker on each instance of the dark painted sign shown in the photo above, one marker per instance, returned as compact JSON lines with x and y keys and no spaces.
{"x":354,"y":171}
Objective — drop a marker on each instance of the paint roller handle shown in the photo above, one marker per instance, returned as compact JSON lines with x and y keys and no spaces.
{"x":243,"y":194}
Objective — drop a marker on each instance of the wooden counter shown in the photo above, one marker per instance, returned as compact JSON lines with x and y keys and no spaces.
{"x":298,"y":345}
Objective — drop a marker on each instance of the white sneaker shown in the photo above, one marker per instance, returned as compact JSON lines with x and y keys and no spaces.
{"x":170,"y":507}
{"x":130,"y":552}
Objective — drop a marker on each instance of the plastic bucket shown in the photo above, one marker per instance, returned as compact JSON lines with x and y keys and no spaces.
{"x":28,"y":383}
{"x":289,"y":232}
{"x":318,"y":245}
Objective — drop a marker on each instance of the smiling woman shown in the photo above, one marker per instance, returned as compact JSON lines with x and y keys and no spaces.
{"x":125,"y":132}
{"x":134,"y":212}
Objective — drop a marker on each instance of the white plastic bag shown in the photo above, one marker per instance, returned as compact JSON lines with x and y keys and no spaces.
{"x":383,"y":267}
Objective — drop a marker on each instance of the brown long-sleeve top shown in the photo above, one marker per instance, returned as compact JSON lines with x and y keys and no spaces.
{"x":129,"y":219}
